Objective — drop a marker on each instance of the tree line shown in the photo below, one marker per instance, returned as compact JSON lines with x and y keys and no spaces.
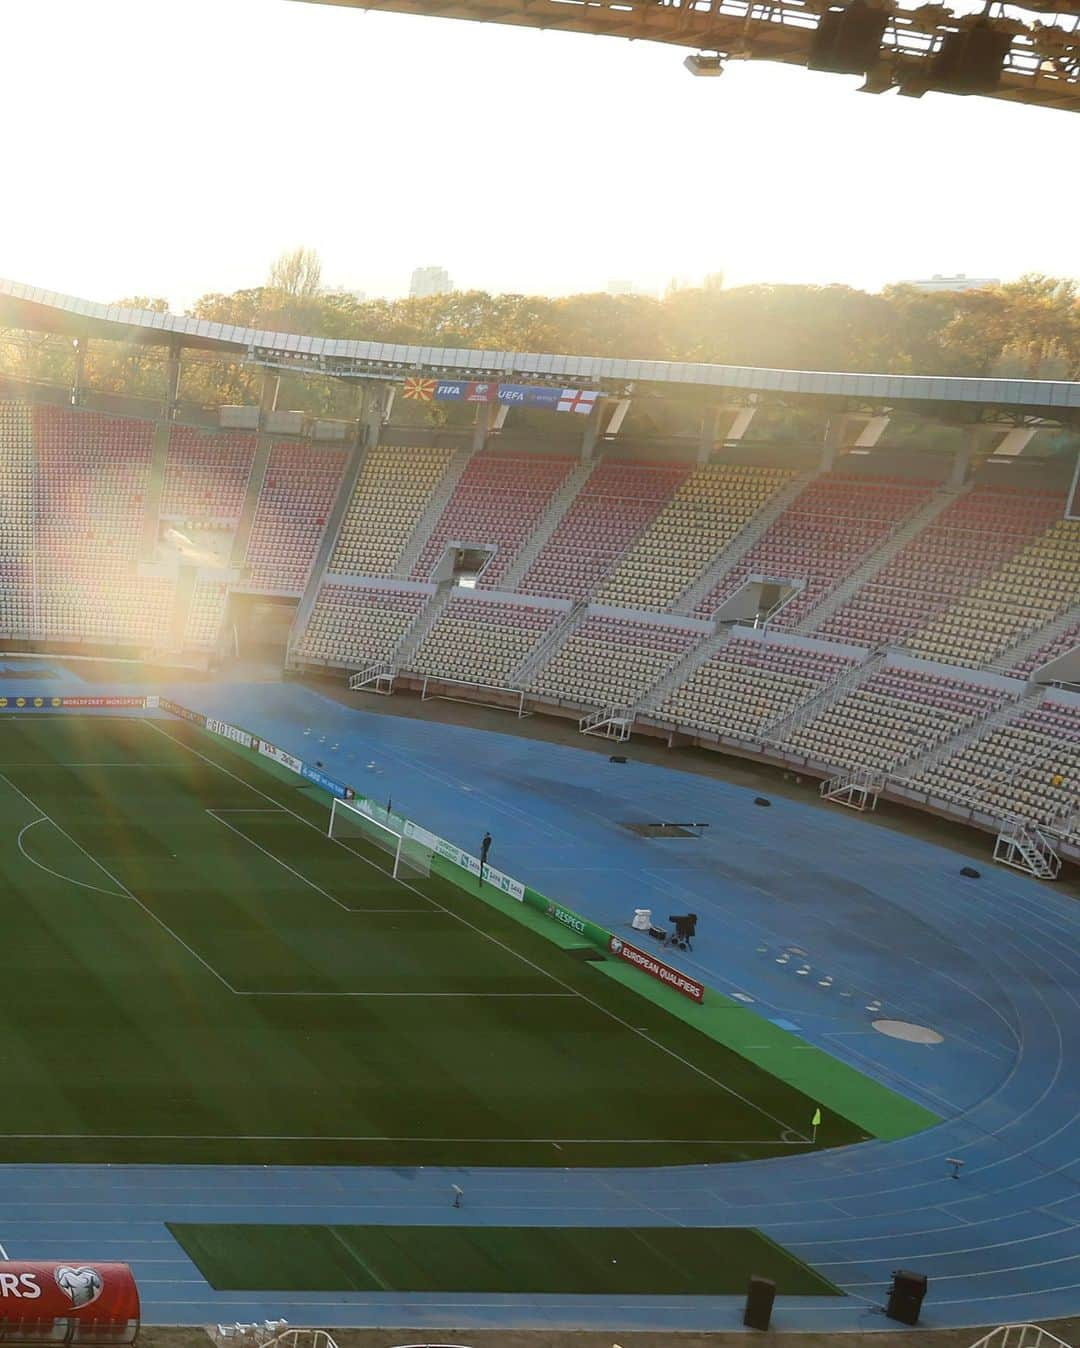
{"x":1029,"y":328}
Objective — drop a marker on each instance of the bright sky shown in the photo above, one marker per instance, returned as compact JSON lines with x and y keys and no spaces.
{"x":177,"y":146}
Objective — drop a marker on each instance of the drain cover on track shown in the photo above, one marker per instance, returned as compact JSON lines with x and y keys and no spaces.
{"x":913,"y":1034}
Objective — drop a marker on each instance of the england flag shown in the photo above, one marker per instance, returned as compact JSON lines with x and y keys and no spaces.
{"x":577,"y":400}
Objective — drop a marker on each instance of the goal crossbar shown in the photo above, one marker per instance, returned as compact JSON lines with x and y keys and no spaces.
{"x":359,"y":821}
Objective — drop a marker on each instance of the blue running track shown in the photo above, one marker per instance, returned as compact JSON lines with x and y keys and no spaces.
{"x":818,"y":919}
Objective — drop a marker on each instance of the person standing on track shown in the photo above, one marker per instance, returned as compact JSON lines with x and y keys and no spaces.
{"x":485,"y":848}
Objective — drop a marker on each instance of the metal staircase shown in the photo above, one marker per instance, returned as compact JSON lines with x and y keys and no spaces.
{"x":858,"y":789}
{"x":539,"y":538}
{"x":539,"y":656}
{"x":420,"y":626}
{"x":808,"y":711}
{"x":612,"y":723}
{"x":1023,"y":845}
{"x":743,"y":541}
{"x":653,"y":697}
{"x":1006,"y":660}
{"x":879,"y":558}
{"x":425,"y":525}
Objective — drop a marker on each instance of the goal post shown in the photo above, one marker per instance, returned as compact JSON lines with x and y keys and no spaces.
{"x":357,"y":821}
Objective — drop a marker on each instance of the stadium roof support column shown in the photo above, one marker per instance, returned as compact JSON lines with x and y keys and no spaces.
{"x":837,"y":434}
{"x":738,"y":417}
{"x":483,"y":425}
{"x":155,"y":488}
{"x":872,"y":432}
{"x":962,"y":458}
{"x":591,"y":434}
{"x":172,"y":382}
{"x":268,"y":395}
{"x":369,"y":419}
{"x":79,"y":371}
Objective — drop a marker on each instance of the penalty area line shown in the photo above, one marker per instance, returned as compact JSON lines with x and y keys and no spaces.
{"x":486,"y":935}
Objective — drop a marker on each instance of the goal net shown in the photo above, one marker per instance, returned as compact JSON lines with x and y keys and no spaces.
{"x":357,"y":823}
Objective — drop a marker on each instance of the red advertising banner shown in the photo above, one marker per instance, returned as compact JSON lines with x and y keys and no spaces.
{"x":47,"y":1290}
{"x":664,"y":973}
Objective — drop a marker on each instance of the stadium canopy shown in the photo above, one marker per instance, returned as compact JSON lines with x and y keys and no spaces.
{"x":26,"y":307}
{"x":918,"y":50}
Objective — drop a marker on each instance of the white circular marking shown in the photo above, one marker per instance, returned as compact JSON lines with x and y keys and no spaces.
{"x":912,"y":1034}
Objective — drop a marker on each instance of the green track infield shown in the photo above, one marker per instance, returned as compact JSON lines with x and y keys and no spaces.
{"x":657,"y":1260}
{"x":194,"y":972}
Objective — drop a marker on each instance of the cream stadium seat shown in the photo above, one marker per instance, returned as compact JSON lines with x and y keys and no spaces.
{"x":390,"y":497}
{"x":708,"y":511}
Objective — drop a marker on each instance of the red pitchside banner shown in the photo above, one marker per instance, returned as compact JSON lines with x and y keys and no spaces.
{"x":46,"y":1290}
{"x":664,"y":973}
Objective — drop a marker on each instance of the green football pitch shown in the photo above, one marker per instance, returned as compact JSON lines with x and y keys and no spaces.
{"x":194,"y":972}
{"x":525,"y":1260}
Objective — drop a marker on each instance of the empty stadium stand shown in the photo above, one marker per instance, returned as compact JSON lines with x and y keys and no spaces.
{"x":612,"y":660}
{"x":750,"y":683}
{"x":832,"y":525}
{"x":968,"y":541}
{"x":206,"y":475}
{"x":390,"y":496}
{"x":294,"y":501}
{"x":357,"y":625}
{"x":707,"y":512}
{"x":1027,"y":592}
{"x":17,"y":520}
{"x":897,"y":713}
{"x":498,"y":501}
{"x":1029,"y":767}
{"x":92,"y":476}
{"x":609,"y":512}
{"x":482,"y":640}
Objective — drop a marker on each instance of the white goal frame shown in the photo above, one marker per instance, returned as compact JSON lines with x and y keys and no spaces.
{"x":393,"y":841}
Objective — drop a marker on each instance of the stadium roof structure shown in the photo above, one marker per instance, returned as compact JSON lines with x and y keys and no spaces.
{"x":925,"y":48}
{"x":30,"y":308}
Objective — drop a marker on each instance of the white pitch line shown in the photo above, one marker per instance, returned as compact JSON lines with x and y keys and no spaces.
{"x":299,"y":875}
{"x":67,"y":879}
{"x":603,"y":1010}
{"x":303,"y":878}
{"x":119,"y":884}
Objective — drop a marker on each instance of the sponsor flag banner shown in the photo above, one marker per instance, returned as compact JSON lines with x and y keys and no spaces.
{"x":663,"y":973}
{"x":465,"y":391}
{"x":510,"y":395}
{"x":419,"y":390}
{"x":34,"y":1291}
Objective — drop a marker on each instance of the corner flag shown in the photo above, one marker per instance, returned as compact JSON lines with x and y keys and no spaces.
{"x":816,"y":1119}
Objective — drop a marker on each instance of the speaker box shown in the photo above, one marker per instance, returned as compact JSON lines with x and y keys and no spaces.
{"x":617,"y":758}
{"x":762,"y":800}
{"x":848,"y":41}
{"x":760,"y":1295}
{"x":970,"y":872}
{"x":906,"y":1296}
